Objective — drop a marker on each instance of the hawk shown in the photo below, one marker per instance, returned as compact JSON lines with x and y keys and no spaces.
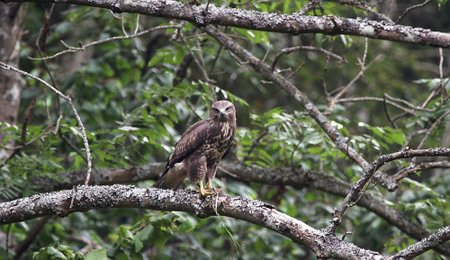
{"x":200,"y":149}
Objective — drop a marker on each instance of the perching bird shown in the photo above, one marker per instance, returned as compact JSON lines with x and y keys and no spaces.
{"x":200,"y":149}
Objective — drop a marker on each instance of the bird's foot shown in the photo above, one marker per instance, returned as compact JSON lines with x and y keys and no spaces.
{"x":210,"y":191}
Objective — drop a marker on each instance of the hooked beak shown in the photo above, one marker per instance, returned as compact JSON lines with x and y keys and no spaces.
{"x":222,"y":115}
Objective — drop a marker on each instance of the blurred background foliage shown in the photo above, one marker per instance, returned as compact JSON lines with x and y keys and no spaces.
{"x":135,"y":101}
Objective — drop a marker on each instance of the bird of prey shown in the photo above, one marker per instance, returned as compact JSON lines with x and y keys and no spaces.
{"x":200,"y":149}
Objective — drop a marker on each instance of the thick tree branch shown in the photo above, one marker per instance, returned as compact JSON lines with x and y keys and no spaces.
{"x":271,"y":22}
{"x":120,"y":196}
{"x":284,"y":176}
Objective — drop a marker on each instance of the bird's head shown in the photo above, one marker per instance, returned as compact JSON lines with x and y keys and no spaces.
{"x":223,"y":111}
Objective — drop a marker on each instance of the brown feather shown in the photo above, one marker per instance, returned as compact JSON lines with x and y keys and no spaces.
{"x":201,"y":147}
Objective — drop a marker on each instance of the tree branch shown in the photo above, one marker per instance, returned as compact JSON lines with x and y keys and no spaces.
{"x":354,"y":194}
{"x":283,"y":176}
{"x":437,"y":238}
{"x":120,"y":196}
{"x":307,"y":48}
{"x":271,"y":22}
{"x":68,"y":99}
{"x":409,"y":9}
{"x":403,"y":173}
{"x":71,"y":49}
{"x":289,"y":87}
{"x":395,"y":102}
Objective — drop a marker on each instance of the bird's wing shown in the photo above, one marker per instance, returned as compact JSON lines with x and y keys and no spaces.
{"x":191,"y":139}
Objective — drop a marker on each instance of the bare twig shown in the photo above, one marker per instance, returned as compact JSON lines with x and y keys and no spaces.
{"x":409,"y":9}
{"x":72,"y":106}
{"x":437,"y":238}
{"x":429,"y":98}
{"x":419,"y":167}
{"x":364,"y":67}
{"x":198,"y":59}
{"x":353,"y":195}
{"x":71,"y":49}
{"x":307,"y":48}
{"x":408,"y":104}
{"x":364,"y":6}
{"x":45,"y":29}
{"x":216,"y":57}
{"x":310,"y":5}
{"x":432,"y":127}
{"x":388,"y":101}
{"x":386,"y":112}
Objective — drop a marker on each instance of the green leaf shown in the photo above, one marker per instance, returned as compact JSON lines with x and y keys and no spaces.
{"x":141,"y":236}
{"x":96,"y":254}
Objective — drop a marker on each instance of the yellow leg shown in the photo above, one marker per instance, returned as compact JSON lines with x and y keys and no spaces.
{"x":209,"y":185}
{"x":205,"y":192}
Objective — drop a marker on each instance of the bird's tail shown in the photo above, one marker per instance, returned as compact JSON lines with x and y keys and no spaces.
{"x":172,"y":178}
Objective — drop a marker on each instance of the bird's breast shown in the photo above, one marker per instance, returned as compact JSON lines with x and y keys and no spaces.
{"x":222,"y":137}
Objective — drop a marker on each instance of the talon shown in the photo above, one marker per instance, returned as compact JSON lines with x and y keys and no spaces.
{"x":209,"y":190}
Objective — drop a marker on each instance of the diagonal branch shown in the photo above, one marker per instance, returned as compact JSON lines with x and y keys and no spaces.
{"x":277,"y":78}
{"x":409,"y":9}
{"x":270,"y":22}
{"x":364,"y":6}
{"x":71,"y":49}
{"x":355,"y":192}
{"x":403,"y":173}
{"x":339,"y":140}
{"x":307,"y":48}
{"x":437,"y":238}
{"x":68,"y":99}
{"x":121,"y":196}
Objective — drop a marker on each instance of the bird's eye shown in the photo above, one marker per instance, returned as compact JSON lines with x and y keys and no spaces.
{"x":228,"y":109}
{"x":216,"y":110}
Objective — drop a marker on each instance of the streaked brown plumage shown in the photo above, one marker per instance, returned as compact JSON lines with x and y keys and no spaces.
{"x":200,"y":149}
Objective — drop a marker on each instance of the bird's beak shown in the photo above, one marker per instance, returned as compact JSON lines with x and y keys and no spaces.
{"x":223,"y":114}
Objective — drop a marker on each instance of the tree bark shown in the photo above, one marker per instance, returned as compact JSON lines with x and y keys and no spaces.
{"x":281,"y":176}
{"x":270,"y":22}
{"x":11,"y":18}
{"x":84,"y":198}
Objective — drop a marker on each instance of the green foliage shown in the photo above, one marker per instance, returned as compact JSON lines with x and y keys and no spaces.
{"x":441,"y":3}
{"x":384,"y":137}
{"x":58,"y":252}
{"x":135,"y":110}
{"x":96,"y":254}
